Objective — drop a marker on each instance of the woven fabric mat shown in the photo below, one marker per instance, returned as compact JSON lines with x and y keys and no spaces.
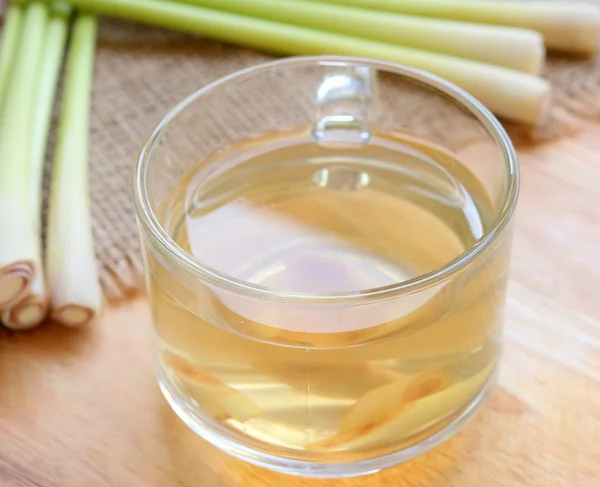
{"x":142,"y":72}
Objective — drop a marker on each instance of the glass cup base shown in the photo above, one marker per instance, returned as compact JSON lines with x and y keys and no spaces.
{"x":217,"y":437}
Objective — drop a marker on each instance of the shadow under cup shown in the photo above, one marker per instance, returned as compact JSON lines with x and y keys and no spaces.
{"x":326,"y":244}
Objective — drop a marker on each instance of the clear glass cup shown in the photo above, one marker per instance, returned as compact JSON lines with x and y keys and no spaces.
{"x":326,"y":241}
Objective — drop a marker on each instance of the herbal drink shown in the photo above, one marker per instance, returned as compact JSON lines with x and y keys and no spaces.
{"x":315,"y":374}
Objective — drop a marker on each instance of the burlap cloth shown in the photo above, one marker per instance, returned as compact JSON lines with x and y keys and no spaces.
{"x":142,"y":72}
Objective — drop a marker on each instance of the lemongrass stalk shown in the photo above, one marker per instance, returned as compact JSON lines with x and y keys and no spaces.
{"x":217,"y":399}
{"x":377,"y":417}
{"x":19,"y":242}
{"x":70,"y":260}
{"x":381,"y":403}
{"x":511,"y":94}
{"x":32,"y":308}
{"x":519,"y":49}
{"x":565,"y":26}
{"x":13,"y":18}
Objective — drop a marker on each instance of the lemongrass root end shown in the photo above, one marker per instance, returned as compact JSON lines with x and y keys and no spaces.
{"x":73,"y":315}
{"x":15,"y":279}
{"x":27,"y":313}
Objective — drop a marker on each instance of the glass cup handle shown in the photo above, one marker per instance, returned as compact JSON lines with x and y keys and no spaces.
{"x":344,"y":99}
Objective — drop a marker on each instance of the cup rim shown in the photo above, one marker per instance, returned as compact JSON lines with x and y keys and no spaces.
{"x":149,"y":222}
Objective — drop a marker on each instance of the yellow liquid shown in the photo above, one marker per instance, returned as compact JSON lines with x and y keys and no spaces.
{"x":329,"y":382}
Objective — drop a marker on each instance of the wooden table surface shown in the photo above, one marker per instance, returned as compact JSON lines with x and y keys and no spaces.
{"x":81,"y":408}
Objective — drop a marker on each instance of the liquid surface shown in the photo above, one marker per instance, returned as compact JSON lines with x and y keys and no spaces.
{"x":329,"y":382}
{"x":310,"y":219}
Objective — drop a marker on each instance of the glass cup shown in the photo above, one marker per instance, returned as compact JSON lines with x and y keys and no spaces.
{"x":326,"y":242}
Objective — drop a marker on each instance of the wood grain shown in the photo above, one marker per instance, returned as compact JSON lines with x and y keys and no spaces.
{"x":81,"y":408}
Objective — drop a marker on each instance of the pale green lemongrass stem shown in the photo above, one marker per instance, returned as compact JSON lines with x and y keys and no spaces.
{"x":513,"y":48}
{"x":70,"y":260}
{"x":19,"y":242}
{"x":32,"y":308}
{"x":511,"y":94}
{"x":565,"y":26}
{"x":13,"y":18}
